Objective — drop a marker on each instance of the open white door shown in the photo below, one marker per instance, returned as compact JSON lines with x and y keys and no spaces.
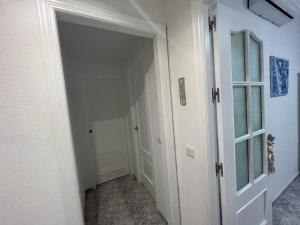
{"x":143,"y":128}
{"x":239,"y":73}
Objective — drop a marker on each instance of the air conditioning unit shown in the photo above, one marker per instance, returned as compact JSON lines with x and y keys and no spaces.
{"x":278,"y":12}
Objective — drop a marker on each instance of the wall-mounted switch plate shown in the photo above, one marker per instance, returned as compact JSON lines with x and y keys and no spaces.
{"x":190,"y":151}
{"x":182,"y":94}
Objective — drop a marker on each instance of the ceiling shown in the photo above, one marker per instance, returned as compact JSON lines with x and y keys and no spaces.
{"x":94,"y":43}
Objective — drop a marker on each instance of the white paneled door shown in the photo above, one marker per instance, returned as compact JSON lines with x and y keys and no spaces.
{"x":143,"y":127}
{"x":104,"y":99}
{"x":239,"y":75}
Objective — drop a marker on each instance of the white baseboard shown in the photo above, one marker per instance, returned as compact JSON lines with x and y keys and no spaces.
{"x":112,"y":174}
{"x":282,"y":190}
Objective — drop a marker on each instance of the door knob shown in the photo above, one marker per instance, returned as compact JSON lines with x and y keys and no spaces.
{"x":136,"y":127}
{"x":90,"y":131}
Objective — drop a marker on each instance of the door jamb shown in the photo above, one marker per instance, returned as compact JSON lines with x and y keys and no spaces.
{"x":200,"y":12}
{"x":134,"y":122}
{"x":84,"y":13}
{"x":135,"y":116}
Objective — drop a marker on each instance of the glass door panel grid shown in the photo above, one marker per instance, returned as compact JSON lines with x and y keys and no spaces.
{"x":254,"y":97}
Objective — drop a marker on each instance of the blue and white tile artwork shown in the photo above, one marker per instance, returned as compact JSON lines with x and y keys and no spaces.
{"x":279,"y":70}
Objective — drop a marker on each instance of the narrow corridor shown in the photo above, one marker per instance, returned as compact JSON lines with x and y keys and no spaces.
{"x":121,"y":202}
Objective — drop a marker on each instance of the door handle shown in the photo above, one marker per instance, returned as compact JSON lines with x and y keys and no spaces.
{"x":136,"y":128}
{"x":90,"y":131}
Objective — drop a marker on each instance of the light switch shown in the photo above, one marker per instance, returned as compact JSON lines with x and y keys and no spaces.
{"x":190,"y":151}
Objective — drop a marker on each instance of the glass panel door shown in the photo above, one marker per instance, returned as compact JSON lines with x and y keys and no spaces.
{"x":248,"y":87}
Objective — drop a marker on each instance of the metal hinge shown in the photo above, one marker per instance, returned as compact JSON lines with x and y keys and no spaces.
{"x":212,"y":23}
{"x":219,"y":169}
{"x":215,"y":94}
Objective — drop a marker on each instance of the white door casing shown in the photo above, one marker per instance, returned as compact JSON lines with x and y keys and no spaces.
{"x":106,"y":118}
{"x":244,"y":187}
{"x":88,"y":14}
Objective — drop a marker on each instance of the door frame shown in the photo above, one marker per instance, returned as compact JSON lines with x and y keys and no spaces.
{"x":203,"y":51}
{"x":86,"y":14}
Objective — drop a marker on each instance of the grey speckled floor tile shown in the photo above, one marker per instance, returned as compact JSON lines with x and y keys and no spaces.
{"x":286,"y":208}
{"x":121,"y":202}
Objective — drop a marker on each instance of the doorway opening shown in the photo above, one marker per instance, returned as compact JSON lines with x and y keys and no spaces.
{"x":115,"y":116}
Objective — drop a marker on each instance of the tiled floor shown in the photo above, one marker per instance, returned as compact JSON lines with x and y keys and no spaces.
{"x":121,"y":202}
{"x":286,"y":208}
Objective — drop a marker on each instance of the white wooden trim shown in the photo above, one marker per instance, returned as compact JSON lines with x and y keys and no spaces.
{"x":134,"y":122}
{"x":202,"y":51}
{"x":248,"y":84}
{"x":94,"y":16}
{"x":167,"y":127}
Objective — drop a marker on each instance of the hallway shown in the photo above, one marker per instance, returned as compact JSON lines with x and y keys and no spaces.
{"x":286,"y":208}
{"x":121,"y":202}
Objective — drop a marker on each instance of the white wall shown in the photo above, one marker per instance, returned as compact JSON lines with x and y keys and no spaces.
{"x":281,"y":112}
{"x":192,"y":173}
{"x":30,"y":190}
{"x":28,"y":159}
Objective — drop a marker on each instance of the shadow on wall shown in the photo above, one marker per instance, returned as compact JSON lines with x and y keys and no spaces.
{"x":138,"y":69}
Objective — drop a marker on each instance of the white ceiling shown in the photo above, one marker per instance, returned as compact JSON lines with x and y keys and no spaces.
{"x":94,"y":43}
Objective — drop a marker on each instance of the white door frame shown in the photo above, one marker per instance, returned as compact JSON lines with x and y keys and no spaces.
{"x":83,"y":13}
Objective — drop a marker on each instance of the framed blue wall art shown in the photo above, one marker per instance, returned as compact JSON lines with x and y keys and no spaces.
{"x":279,"y":72}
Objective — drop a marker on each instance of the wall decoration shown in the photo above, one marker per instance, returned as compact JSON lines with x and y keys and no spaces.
{"x":279,"y":71}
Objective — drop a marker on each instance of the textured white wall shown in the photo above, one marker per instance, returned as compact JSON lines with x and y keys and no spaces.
{"x":29,"y":190}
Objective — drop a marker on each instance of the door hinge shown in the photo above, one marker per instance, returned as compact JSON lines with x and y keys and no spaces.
{"x":212,"y":23}
{"x":215,"y":94}
{"x":219,"y":169}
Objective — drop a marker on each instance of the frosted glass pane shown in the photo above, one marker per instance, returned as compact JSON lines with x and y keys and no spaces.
{"x":240,"y":111}
{"x":256,"y":108}
{"x":257,"y":156}
{"x":238,"y":56}
{"x":241,"y":163}
{"x":254,"y":60}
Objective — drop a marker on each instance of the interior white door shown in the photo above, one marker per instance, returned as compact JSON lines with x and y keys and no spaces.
{"x":106,"y":118}
{"x":143,"y":128}
{"x":238,"y":59}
